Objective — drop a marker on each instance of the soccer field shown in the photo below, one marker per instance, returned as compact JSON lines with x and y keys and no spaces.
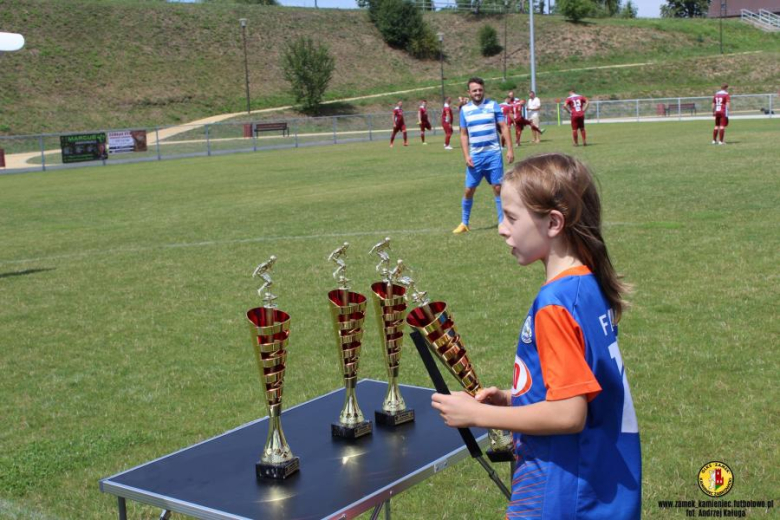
{"x":123,"y":292}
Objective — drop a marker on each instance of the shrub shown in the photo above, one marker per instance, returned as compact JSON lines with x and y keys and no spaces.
{"x":308,"y":67}
{"x":488,"y":41}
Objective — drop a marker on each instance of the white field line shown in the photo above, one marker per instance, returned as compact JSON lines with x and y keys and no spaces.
{"x":14,"y":511}
{"x":209,"y":243}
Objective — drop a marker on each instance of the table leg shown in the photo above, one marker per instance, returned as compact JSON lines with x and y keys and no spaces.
{"x":120,"y":502}
{"x":387,"y":509}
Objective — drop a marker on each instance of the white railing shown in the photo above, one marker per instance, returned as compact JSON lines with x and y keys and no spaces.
{"x":763,"y":20}
{"x":769,"y":17}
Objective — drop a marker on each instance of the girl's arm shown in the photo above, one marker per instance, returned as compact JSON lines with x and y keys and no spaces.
{"x":543,"y":418}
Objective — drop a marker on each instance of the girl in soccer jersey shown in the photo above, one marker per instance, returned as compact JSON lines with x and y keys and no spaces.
{"x":576,"y":437}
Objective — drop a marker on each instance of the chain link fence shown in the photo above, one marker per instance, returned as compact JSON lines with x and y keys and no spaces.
{"x":42,"y":152}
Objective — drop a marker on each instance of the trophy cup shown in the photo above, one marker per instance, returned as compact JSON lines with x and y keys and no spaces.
{"x":438,"y":329}
{"x":390,"y":307}
{"x":348,"y":311}
{"x":270,"y":329}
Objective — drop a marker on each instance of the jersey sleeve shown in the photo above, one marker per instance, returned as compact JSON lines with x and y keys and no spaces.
{"x":499,"y":114}
{"x":561,"y":347}
{"x":462,"y":119}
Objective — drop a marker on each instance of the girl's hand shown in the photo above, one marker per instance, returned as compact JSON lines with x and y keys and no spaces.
{"x":494,"y":396}
{"x":458,"y":410}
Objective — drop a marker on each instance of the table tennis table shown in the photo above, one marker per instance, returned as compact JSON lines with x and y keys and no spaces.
{"x":338,"y":479}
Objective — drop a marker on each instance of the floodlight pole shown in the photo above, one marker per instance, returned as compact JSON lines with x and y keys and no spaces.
{"x":242,"y":21}
{"x":441,"y":63}
{"x":533,"y":55}
{"x":723,"y":8}
{"x":506,"y":8}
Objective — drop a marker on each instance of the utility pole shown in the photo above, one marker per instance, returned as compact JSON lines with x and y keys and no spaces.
{"x":533,"y":55}
{"x":242,"y":21}
{"x":723,"y":9}
{"x":441,"y":63}
{"x":506,"y":8}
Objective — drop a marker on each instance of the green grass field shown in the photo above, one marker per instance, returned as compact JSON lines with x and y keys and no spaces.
{"x":123,"y":292}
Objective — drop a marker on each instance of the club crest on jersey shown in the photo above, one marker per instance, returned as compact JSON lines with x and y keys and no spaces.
{"x":521,"y":379}
{"x":526,"y":334}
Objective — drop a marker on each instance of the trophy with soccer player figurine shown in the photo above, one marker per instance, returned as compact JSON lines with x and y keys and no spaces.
{"x":348,"y":311}
{"x":437,"y":327}
{"x":270,"y":331}
{"x":390,"y":306}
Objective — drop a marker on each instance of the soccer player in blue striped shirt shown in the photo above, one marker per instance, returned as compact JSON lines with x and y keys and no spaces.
{"x":480,"y":121}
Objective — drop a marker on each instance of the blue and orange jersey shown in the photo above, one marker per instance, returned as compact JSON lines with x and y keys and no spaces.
{"x":568,"y":347}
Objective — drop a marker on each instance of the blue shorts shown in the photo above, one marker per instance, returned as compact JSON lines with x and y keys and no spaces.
{"x":489,"y":166}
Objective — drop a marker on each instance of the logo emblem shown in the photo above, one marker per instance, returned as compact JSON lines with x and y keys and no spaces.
{"x":521,"y":379}
{"x":526,"y":335}
{"x":715,"y":479}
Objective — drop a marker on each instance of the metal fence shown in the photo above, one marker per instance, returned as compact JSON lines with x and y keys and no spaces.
{"x":42,"y":152}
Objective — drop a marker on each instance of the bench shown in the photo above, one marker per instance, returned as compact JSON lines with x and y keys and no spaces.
{"x":272,"y":127}
{"x":690,"y":107}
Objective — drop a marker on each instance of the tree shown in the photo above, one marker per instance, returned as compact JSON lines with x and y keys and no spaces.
{"x":308,"y":67}
{"x":574,"y":10}
{"x":403,"y":27}
{"x":488,"y":41}
{"x":685,"y":8}
{"x":629,"y":10}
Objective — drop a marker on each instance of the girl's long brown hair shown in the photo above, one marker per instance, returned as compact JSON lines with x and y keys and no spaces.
{"x":556,"y":181}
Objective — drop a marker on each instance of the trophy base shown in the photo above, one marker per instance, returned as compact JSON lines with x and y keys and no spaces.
{"x":351,"y":432}
{"x":501,"y":456}
{"x":394,"y":418}
{"x":277,"y":471}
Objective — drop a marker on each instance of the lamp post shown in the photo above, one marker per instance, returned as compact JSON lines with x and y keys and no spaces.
{"x":441,"y":63}
{"x":723,"y":9}
{"x":506,"y":8}
{"x":533,"y":54}
{"x":242,"y":21}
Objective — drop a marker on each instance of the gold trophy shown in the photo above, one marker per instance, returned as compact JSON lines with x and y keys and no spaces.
{"x":270,"y":330}
{"x":348,"y":311}
{"x":436,"y":325}
{"x":390,"y":307}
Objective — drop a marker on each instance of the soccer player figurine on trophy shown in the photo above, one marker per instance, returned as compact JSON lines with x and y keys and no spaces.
{"x":270,"y":329}
{"x":390,"y":307}
{"x":436,"y":325}
{"x":348,"y":311}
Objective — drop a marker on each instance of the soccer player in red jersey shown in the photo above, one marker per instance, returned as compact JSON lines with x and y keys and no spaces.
{"x":576,"y":105}
{"x":507,"y":108}
{"x":446,"y":122}
{"x":721,"y":103}
{"x":422,"y":119}
{"x":398,"y":123}
{"x":520,"y":121}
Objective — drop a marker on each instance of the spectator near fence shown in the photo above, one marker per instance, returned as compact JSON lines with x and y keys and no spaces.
{"x":532,"y":109}
{"x":721,"y":103}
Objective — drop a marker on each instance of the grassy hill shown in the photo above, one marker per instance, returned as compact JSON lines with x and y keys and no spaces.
{"x":116,"y":63}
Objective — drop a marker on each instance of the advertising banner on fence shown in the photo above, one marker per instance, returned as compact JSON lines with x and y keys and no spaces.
{"x":127,"y":141}
{"x":83,"y":147}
